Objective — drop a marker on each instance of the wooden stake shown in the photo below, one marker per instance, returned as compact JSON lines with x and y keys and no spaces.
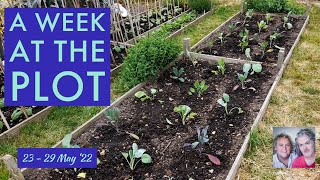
{"x":4,"y":120}
{"x":12,"y":166}
{"x":23,"y":109}
{"x":186,"y":47}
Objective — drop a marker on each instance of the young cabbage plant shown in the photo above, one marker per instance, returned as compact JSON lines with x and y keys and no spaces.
{"x":273,"y":37}
{"x":286,"y":22}
{"x":262,"y":25}
{"x":268,"y":18}
{"x":66,"y":142}
{"x":198,"y":145}
{"x":263,"y":47}
{"x":112,"y":116}
{"x":243,"y":45}
{"x":185,"y":113}
{"x":136,"y":153}
{"x":249,"y":15}
{"x":220,"y":36}
{"x":254,"y":68}
{"x":232,"y":27}
{"x":199,"y":88}
{"x":221,"y":66}
{"x":244,"y":34}
{"x":177,"y":74}
{"x":144,"y":96}
{"x":224,"y":102}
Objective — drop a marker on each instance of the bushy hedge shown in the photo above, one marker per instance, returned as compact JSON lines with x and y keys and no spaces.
{"x":146,"y":59}
{"x":275,"y":6}
{"x":200,"y":5}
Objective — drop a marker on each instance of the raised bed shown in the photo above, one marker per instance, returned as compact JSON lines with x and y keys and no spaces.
{"x":228,"y":135}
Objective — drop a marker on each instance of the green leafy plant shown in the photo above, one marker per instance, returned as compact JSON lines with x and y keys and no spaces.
{"x":145,"y":60}
{"x":262,"y":25}
{"x":220,"y":36}
{"x":144,"y":96}
{"x":112,"y":116}
{"x":136,"y":153}
{"x":1,"y":103}
{"x":244,"y":34}
{"x":232,"y":27}
{"x":200,"y":5}
{"x":273,"y":37}
{"x":254,"y":68}
{"x":268,"y":18}
{"x":263,"y":47}
{"x":249,"y":15}
{"x":16,"y":114}
{"x":221,"y":66}
{"x":286,"y":22}
{"x":177,"y":74}
{"x":66,"y":142}
{"x":185,"y":113}
{"x":224,"y":102}
{"x":199,"y":88}
{"x":198,"y":145}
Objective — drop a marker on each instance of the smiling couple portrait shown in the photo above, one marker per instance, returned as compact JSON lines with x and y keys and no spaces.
{"x":294,"y":147}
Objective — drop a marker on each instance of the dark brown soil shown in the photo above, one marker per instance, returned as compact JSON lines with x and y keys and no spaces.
{"x":229,"y":48}
{"x":164,"y":142}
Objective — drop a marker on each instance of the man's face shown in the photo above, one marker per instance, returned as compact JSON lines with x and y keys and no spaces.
{"x":283,"y":148}
{"x":306,"y":146}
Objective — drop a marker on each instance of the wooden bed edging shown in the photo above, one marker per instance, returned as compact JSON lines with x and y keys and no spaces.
{"x":15,"y":130}
{"x":234,"y":169}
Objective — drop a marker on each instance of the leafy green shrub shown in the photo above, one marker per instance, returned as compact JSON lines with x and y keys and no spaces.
{"x":146,"y":59}
{"x":200,"y":5}
{"x":275,"y":6}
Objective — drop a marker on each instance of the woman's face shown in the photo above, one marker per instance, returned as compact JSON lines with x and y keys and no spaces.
{"x":306,"y":146}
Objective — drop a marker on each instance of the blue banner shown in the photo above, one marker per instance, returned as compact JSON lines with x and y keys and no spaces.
{"x":57,"y":57}
{"x":57,"y":158}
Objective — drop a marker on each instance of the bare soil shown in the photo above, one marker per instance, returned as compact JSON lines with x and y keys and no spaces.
{"x":164,"y":142}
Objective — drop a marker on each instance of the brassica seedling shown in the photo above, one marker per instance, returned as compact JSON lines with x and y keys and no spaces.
{"x":202,"y":139}
{"x":199,"y":88}
{"x":144,"y":96}
{"x":286,"y":21}
{"x":221,"y":66}
{"x":256,"y":68}
{"x":112,"y":116}
{"x":244,"y":34}
{"x":177,"y":74}
{"x":249,"y":15}
{"x":243,"y":45}
{"x":268,"y":18}
{"x":134,"y":154}
{"x":224,"y":102}
{"x":247,"y":53}
{"x":220,"y":36}
{"x":185,"y":113}
{"x":232,"y":27}
{"x":66,"y":142}
{"x":262,"y":25}
{"x":263,"y":47}
{"x":273,"y":37}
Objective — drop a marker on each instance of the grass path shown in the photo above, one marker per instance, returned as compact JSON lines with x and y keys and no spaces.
{"x":295,"y":103}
